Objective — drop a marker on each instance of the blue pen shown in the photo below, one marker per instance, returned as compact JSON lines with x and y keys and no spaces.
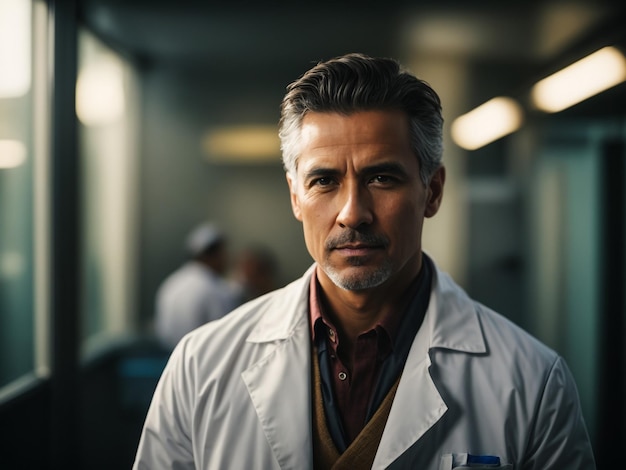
{"x":483,"y":460}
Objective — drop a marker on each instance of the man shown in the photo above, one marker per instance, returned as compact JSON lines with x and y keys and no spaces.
{"x":197,"y":292}
{"x":374,"y":358}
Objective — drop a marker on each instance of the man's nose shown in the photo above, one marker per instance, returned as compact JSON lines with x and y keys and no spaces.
{"x":356,"y":207}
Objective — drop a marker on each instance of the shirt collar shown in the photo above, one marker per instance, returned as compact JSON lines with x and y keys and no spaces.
{"x":389,"y":324}
{"x":315,"y":312}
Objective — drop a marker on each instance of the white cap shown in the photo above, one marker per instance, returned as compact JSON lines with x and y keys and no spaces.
{"x":202,"y":238}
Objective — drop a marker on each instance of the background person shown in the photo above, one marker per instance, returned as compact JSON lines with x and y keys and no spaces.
{"x":197,"y":292}
{"x":256,"y":270}
{"x":375,"y":358}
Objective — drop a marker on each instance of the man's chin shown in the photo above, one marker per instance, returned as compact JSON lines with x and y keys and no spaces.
{"x":358,"y":278}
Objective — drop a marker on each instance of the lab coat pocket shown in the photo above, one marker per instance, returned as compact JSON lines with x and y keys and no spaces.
{"x":472,"y":462}
{"x":484,"y":467}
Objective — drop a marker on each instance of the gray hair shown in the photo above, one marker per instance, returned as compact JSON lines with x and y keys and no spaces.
{"x":356,"y":82}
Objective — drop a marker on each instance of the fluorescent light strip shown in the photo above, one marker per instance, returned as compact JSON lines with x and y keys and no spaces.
{"x":589,"y":76}
{"x":490,"y":121}
{"x":243,"y":144}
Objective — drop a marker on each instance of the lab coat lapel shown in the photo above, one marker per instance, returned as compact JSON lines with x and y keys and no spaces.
{"x":416,"y":407}
{"x":280,"y":384}
{"x":450,"y":323}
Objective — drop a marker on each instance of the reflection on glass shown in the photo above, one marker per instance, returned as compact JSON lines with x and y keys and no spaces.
{"x":17,"y":355}
{"x":100,"y":92}
{"x":108,"y":159}
{"x":15,"y":48}
{"x":12,"y":153}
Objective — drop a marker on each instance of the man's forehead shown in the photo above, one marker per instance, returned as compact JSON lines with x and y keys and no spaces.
{"x":361,"y":126}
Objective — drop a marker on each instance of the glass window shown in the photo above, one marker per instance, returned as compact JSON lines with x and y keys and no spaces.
{"x":105,"y":97}
{"x":566,"y":257}
{"x":23,"y":185}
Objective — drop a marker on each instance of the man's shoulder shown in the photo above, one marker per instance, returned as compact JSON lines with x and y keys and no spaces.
{"x":496,"y":324}
{"x":503,"y":339}
{"x":277,"y":309}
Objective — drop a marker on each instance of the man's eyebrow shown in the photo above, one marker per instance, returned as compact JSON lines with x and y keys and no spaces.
{"x":317,"y":172}
{"x":387,"y":167}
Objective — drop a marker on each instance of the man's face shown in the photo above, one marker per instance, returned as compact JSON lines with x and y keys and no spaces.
{"x":360,"y":199}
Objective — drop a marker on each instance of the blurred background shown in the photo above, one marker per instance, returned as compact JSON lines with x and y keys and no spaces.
{"x":123,"y":124}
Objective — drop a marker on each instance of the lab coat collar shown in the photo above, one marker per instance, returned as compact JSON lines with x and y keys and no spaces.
{"x":452,"y":318}
{"x":451,"y":322}
{"x":286,"y":313}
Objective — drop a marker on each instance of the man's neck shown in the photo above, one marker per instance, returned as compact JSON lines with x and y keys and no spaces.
{"x":356,"y":311}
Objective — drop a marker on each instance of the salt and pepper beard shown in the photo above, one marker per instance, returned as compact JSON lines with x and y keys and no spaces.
{"x":363,"y":280}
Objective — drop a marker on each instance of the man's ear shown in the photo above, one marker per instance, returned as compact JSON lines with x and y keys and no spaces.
{"x":295,"y":202}
{"x":435,"y":192}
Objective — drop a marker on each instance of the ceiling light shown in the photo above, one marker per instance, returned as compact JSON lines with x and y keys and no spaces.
{"x":488,"y":122}
{"x":589,"y":76}
{"x":252,"y":143}
{"x":12,"y":153}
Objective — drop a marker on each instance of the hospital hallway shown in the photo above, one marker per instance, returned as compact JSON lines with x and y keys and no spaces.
{"x":125,"y":123}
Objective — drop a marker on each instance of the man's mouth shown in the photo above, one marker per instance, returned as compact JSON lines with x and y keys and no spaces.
{"x":357,"y":249}
{"x":353,"y":246}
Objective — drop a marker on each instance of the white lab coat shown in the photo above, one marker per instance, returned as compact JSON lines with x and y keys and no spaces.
{"x":236,"y":393}
{"x":190,"y":297}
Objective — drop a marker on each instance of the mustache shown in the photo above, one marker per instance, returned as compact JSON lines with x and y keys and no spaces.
{"x":351,"y":236}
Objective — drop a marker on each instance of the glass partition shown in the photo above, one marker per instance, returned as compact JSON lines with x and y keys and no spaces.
{"x":24,"y":108}
{"x":106,"y":94}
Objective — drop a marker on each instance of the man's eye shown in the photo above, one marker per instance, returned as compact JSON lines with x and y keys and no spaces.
{"x":324,"y":181}
{"x":382,"y":179}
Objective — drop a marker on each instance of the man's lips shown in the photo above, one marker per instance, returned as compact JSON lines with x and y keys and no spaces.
{"x":358,"y":249}
{"x":354,"y":246}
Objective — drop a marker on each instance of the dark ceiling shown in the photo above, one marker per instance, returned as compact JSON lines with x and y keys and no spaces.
{"x":268,"y":40}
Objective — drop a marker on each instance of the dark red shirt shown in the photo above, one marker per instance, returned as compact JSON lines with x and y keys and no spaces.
{"x":351,"y":398}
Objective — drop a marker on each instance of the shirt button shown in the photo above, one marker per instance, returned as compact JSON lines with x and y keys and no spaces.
{"x":342,"y":376}
{"x":331,"y":334}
